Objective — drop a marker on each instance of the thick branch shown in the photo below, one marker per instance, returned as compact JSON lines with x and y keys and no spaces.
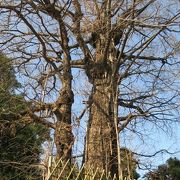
{"x":151,"y":58}
{"x":127,"y":120}
{"x":76,"y":31}
{"x":130,"y":105}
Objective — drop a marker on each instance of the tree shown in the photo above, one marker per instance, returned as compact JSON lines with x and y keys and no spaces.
{"x":170,"y":170}
{"x":126,"y":52}
{"x":128,"y":164}
{"x":20,"y":141}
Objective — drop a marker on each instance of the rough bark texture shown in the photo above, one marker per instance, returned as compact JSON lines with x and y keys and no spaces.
{"x":64,"y":138}
{"x":63,"y":133}
{"x":101,"y":143}
{"x":101,"y":150}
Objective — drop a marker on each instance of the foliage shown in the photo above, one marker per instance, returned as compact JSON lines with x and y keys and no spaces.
{"x":128,"y":164}
{"x":168,"y":171}
{"x":20,"y":141}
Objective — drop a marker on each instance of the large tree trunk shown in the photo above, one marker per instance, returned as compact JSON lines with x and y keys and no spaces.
{"x":63,"y":133}
{"x":101,"y":141}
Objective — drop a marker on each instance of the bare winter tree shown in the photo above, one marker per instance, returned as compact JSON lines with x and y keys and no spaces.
{"x":126,"y":50}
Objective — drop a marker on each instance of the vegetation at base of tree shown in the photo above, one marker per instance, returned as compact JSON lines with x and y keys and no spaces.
{"x":20,"y":140}
{"x":69,"y":171}
{"x":168,"y":171}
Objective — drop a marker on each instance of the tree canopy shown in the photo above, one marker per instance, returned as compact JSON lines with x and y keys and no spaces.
{"x":168,"y":171}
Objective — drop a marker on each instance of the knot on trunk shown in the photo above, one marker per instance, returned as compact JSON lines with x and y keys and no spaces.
{"x":98,"y":73}
{"x":66,"y":97}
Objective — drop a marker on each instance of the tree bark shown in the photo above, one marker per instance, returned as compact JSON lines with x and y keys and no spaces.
{"x":63,"y":133}
{"x":101,"y":142}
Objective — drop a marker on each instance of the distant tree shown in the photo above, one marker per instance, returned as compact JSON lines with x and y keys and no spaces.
{"x":128,"y":164}
{"x":168,"y":171}
{"x":20,"y":140}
